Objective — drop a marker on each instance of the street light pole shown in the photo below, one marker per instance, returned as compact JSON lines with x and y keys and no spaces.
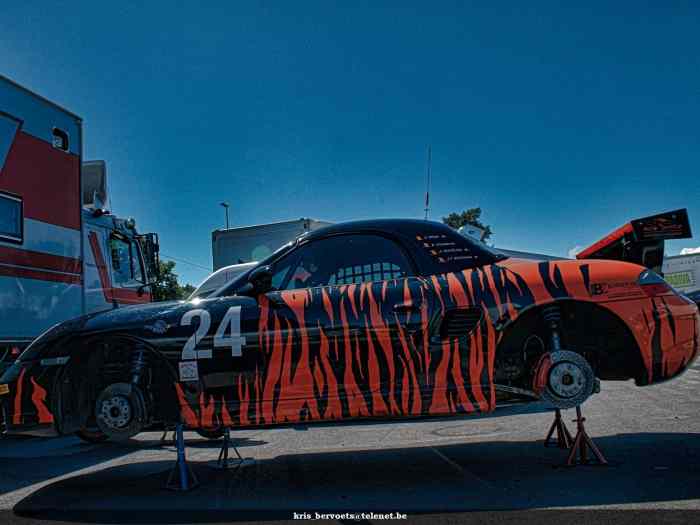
{"x":225,"y":205}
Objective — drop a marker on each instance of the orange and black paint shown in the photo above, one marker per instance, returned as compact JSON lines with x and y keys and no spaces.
{"x":378,"y":350}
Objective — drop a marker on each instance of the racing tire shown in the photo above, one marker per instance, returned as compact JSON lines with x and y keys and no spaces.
{"x":570,"y":380}
{"x":120,"y":411}
{"x":210,"y":433}
{"x":94,"y":436}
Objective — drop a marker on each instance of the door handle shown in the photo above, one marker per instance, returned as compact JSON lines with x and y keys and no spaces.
{"x":406,"y":307}
{"x":339,"y":330}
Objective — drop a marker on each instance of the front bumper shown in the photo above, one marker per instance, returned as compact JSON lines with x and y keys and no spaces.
{"x":24,"y":403}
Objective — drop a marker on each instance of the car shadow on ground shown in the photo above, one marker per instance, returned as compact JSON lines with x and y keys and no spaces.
{"x":29,"y":460}
{"x":650,"y":468}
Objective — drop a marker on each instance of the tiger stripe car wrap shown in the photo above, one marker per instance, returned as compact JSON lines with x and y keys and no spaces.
{"x":423,"y":341}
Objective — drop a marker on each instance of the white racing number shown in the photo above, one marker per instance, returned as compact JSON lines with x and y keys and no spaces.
{"x":188,"y":351}
{"x":231,"y":323}
{"x":235,"y":341}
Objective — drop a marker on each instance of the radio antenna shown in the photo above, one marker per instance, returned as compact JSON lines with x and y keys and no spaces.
{"x":427,"y":186}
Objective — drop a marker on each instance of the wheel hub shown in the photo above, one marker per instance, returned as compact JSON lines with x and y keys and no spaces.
{"x":116,"y":412}
{"x":567,"y":379}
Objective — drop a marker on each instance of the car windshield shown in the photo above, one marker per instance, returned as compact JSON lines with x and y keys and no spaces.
{"x":230,"y":287}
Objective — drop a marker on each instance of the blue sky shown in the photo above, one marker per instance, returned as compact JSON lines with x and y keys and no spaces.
{"x":561,"y":123}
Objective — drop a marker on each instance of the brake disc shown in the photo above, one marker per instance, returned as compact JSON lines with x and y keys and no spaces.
{"x":570,"y":380}
{"x":120,"y":411}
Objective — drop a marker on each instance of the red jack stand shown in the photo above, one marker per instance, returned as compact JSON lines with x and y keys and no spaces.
{"x":582,"y":441}
{"x":564,"y":439}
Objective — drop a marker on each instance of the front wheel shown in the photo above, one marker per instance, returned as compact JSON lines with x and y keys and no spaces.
{"x":121,"y":411}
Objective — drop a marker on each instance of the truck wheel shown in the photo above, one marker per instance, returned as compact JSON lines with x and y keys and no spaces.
{"x":121,"y":411}
{"x":91,"y":435}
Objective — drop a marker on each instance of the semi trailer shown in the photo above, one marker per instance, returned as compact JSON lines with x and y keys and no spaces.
{"x":62,"y":252}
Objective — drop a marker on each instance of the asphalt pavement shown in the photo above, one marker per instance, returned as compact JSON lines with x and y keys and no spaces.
{"x":650,"y":435}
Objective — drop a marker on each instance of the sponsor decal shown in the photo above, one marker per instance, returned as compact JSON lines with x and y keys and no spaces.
{"x":189,"y":371}
{"x":159,"y":327}
{"x":615,"y":290}
{"x":55,"y":361}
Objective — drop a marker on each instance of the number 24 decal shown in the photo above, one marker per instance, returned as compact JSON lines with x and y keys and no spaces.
{"x":234,"y":341}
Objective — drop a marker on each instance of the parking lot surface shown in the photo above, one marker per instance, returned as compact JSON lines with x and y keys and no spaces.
{"x":650,"y":435}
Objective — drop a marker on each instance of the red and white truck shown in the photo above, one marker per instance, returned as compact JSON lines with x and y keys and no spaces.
{"x":62,"y":254}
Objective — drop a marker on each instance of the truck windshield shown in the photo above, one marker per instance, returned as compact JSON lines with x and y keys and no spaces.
{"x":126,"y":260}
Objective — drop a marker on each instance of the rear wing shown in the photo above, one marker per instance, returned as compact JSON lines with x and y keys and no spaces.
{"x":641,"y":241}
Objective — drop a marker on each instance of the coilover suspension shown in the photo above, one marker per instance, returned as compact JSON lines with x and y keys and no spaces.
{"x":139,"y":361}
{"x":552,"y":316}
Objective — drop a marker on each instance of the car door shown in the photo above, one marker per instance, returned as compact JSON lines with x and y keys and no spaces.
{"x":344,"y":330}
{"x":219,"y":360}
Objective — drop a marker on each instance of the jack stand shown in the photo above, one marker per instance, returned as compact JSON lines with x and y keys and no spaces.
{"x":164,"y":437}
{"x":181,"y":477}
{"x":226,"y":463}
{"x":564,"y":439}
{"x":582,"y":441}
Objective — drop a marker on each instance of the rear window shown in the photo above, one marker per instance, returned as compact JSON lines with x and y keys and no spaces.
{"x":450,"y":251}
{"x":446,"y":249}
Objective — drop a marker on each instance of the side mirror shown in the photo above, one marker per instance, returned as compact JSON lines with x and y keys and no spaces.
{"x":149,"y":249}
{"x":260,"y":279}
{"x":142,"y":288}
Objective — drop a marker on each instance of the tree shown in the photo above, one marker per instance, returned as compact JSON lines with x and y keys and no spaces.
{"x":470,"y":216}
{"x":167,"y":288}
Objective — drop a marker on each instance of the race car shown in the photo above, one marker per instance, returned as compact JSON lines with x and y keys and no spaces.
{"x":390,"y":318}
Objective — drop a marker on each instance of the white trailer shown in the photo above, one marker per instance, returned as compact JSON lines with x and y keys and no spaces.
{"x":254,"y":243}
{"x":61,"y":253}
{"x":683,"y":272}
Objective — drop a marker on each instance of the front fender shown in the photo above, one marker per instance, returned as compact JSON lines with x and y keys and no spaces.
{"x":27,"y":403}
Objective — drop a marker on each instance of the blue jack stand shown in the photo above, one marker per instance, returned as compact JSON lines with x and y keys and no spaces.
{"x":181,"y":477}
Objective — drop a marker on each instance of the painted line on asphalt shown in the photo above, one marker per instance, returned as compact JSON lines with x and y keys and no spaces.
{"x":460,"y":470}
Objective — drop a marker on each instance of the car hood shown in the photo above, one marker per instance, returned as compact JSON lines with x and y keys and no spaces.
{"x":138,"y":315}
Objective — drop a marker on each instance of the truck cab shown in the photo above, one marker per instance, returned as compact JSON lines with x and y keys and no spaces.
{"x":118,"y":262}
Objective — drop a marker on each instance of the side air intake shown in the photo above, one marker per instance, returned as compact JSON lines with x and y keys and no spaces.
{"x":460,"y":322}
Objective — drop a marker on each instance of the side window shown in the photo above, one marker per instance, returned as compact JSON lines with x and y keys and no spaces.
{"x":10,"y":218}
{"x":450,"y":251}
{"x":136,"y":262}
{"x":346,"y":259}
{"x":281,"y":271}
{"x":368,"y":272}
{"x":121,"y":260}
{"x":60,"y":139}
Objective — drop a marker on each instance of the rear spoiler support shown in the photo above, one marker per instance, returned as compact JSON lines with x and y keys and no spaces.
{"x":641,"y":241}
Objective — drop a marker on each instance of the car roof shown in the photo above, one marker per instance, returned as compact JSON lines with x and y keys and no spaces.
{"x":392,"y":226}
